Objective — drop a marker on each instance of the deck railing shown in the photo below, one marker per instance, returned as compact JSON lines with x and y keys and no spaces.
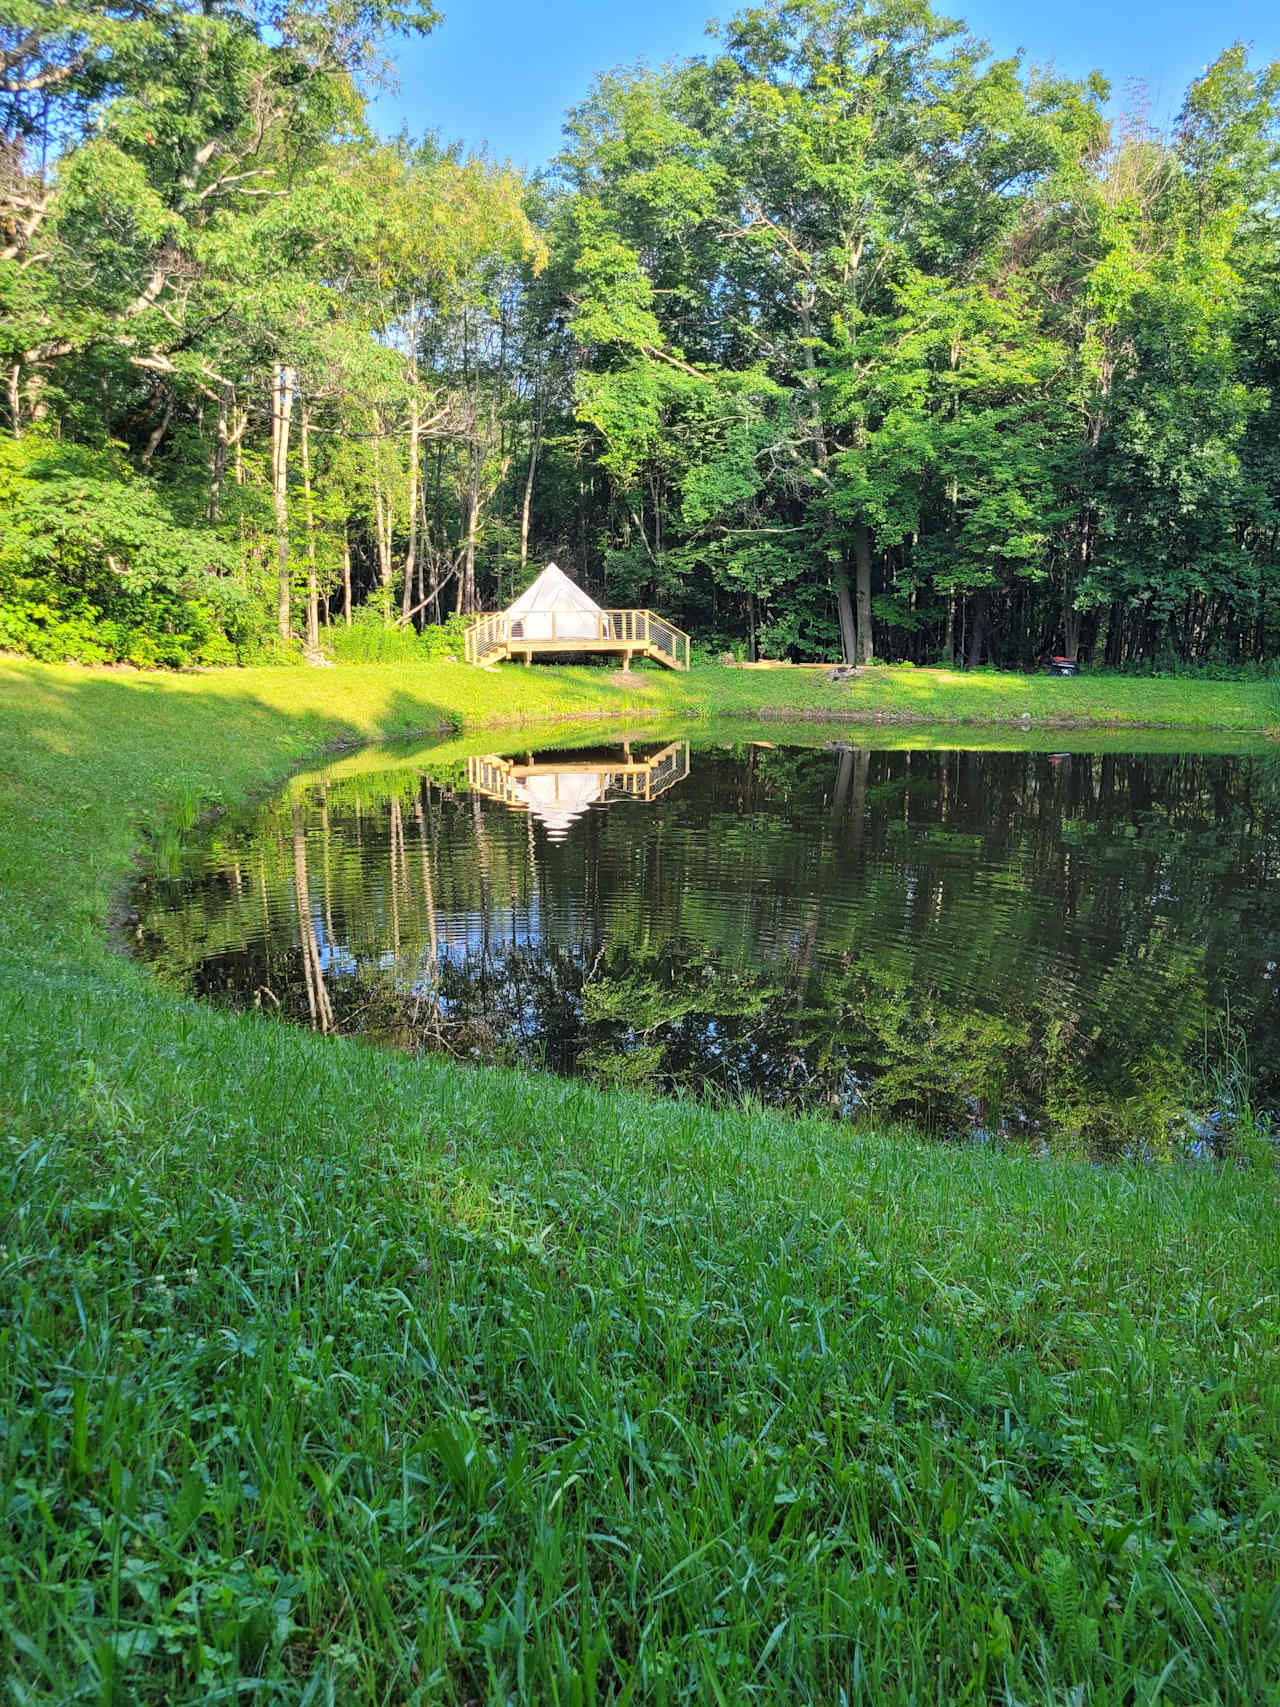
{"x":498,"y":633}
{"x":642,"y":779}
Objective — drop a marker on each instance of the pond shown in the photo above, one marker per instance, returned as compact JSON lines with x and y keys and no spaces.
{"x":1054,"y":950}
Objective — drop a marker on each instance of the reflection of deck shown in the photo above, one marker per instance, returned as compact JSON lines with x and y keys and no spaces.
{"x":563,"y":788}
{"x":627,"y":634}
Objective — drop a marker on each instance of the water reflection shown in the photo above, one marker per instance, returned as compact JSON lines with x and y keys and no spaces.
{"x":558,"y":788}
{"x":1027,"y":945}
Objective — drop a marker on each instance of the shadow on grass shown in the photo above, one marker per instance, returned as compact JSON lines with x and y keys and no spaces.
{"x":94,"y":759}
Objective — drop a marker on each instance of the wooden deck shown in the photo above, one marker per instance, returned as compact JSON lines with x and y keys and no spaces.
{"x":626,"y":634}
{"x":640,"y":779}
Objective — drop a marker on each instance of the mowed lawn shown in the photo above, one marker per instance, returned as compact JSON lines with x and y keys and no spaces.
{"x":328,"y":1375}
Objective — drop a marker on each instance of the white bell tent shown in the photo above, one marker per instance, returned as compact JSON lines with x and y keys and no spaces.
{"x":556,"y":608}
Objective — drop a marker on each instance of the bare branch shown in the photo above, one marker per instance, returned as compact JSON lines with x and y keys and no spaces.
{"x":657,"y":355}
{"x":44,"y":79}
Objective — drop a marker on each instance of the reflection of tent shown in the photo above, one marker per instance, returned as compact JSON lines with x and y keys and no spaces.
{"x":556,"y":608}
{"x":559,"y":789}
{"x":559,"y":798}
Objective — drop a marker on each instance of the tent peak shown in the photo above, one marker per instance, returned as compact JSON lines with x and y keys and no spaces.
{"x":553,"y":590}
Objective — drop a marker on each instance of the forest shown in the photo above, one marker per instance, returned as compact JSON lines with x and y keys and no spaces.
{"x":844,"y":338}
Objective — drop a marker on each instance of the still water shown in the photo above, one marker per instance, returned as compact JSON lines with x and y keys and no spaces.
{"x":1031,"y":948}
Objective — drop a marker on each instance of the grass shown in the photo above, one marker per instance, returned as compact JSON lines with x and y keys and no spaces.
{"x":954,"y":696}
{"x":327,"y":1375}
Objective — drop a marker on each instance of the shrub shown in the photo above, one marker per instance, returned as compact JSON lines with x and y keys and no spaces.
{"x":94,"y":569}
{"x":709,"y":647}
{"x":371,"y":640}
{"x":445,"y":639}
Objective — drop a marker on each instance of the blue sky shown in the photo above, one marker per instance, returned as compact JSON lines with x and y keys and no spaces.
{"x":503,"y":72}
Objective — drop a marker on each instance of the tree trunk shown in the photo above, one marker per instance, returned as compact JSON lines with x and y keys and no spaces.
{"x":282,"y":389}
{"x":438,"y":513}
{"x":381,"y":522}
{"x":218,"y":457}
{"x":844,"y":613}
{"x":377,"y":519}
{"x":862,"y":563}
{"x":526,"y":508}
{"x":949,"y":638}
{"x":1098,"y":650}
{"x":474,"y":498}
{"x":233,"y":423}
{"x":840,"y":576}
{"x":239,"y":427}
{"x":467,"y":579}
{"x":346,"y":576}
{"x":411,"y":554}
{"x":978,"y":633}
{"x":313,"y":598}
{"x":1071,"y":633}
{"x":158,"y":431}
{"x":388,"y":544}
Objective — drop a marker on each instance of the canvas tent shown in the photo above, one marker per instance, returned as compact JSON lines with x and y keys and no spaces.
{"x":556,"y":608}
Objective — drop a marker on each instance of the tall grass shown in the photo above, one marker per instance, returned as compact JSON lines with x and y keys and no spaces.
{"x":1234,"y":1125}
{"x":335,"y":1373}
{"x":368,"y":640}
{"x":329,"y":1376}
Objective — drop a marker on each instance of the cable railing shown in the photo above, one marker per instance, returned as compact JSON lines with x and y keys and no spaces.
{"x":670,"y":641}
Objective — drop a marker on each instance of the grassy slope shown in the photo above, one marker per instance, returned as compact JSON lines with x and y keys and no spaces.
{"x":332,"y":1369}
{"x":959,"y":696}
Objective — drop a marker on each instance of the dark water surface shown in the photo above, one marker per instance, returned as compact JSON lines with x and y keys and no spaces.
{"x":1028,"y":946}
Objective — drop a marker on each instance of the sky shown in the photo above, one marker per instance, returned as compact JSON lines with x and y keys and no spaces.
{"x":503,"y":73}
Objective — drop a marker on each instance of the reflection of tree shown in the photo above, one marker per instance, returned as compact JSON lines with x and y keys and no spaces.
{"x":427,"y":982}
{"x":963,"y":940}
{"x":318,"y":1005}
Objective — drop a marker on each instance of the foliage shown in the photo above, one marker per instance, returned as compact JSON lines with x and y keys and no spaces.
{"x":94,"y":568}
{"x":445,"y":639}
{"x":847,"y":337}
{"x":368,"y":640}
{"x":1017,"y":378}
